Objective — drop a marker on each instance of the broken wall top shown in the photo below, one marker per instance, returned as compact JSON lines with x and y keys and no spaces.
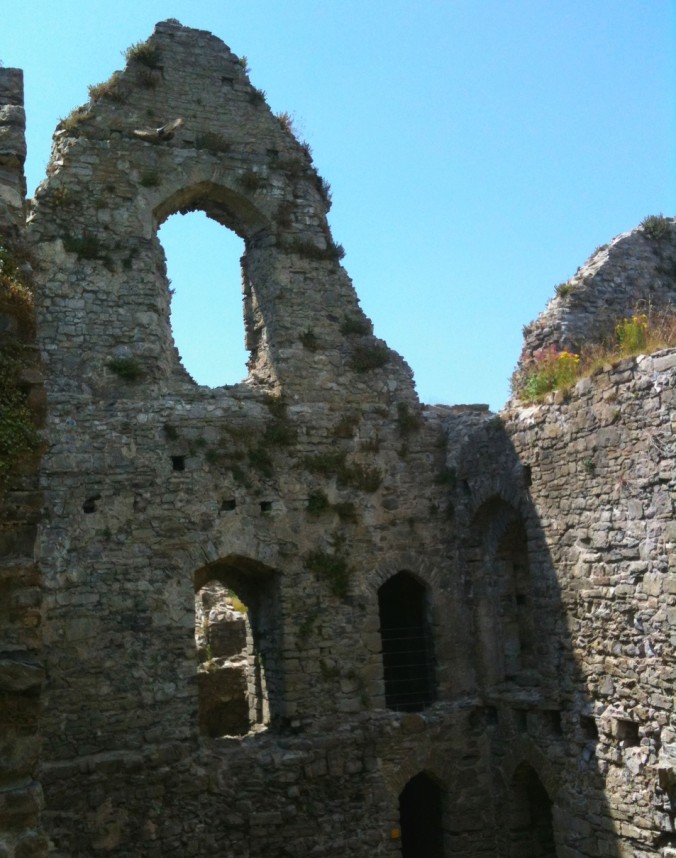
{"x":181,"y":128}
{"x":633,"y":273}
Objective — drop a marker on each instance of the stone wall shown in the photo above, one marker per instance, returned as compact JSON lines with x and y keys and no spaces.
{"x":603,"y":482}
{"x":21,"y":413}
{"x":530,"y":550}
{"x":633,"y":273}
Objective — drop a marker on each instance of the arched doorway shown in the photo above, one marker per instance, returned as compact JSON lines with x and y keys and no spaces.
{"x":420,"y":815}
{"x":222,"y":640}
{"x":408,"y":658}
{"x":531,"y":834}
{"x":238,"y":644}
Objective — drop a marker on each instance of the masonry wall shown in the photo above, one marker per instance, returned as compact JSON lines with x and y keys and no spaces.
{"x":602,"y":470}
{"x":22,"y":409}
{"x":540,"y":538}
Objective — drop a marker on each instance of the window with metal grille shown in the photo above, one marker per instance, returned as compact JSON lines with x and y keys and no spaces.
{"x":408,"y":658}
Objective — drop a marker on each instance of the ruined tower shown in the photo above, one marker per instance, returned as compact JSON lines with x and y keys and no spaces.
{"x":306,"y":614}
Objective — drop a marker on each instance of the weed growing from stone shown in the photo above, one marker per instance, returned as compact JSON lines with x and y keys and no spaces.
{"x":150,"y":179}
{"x":19,"y":439}
{"x":281,"y":431}
{"x":310,"y":250}
{"x":127,"y":368}
{"x":318,"y":503}
{"x":16,"y":296}
{"x":212,"y":142}
{"x":407,"y":422}
{"x":260,"y":459}
{"x":346,"y":510}
{"x":71,"y":123}
{"x":656,"y":226}
{"x":589,"y":466}
{"x":356,"y":476}
{"x":331,"y":568}
{"x":251,"y":181}
{"x":286,"y":121}
{"x":346,"y":426}
{"x":257,"y":96}
{"x":109,"y":89}
{"x":555,"y":371}
{"x":563,"y":290}
{"x":355,"y":325}
{"x":641,"y":333}
{"x":143,"y":53}
{"x":87,"y":246}
{"x":632,"y":334}
{"x":370,"y":356}
{"x":310,"y":341}
{"x":324,"y":189}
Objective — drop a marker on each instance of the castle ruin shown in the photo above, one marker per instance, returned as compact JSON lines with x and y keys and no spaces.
{"x":307,"y":615}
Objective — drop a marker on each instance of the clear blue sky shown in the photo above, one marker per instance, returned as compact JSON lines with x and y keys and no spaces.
{"x":478,"y":152}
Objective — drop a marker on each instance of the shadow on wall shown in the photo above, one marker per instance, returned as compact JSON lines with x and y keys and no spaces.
{"x":535,"y":708}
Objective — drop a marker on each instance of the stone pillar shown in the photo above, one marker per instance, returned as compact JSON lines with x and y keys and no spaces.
{"x":12,"y":150}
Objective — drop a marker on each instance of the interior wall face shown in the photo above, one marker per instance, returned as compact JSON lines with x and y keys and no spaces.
{"x":540,"y":540}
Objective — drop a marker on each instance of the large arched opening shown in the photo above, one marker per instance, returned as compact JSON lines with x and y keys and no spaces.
{"x":207,"y":316}
{"x":408,"y":656}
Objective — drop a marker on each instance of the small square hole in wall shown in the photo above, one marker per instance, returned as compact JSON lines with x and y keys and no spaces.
{"x":552,"y":721}
{"x":178,"y":463}
{"x":89,"y":505}
{"x":527,"y":475}
{"x":491,"y":716}
{"x":266,"y":506}
{"x":228,"y":505}
{"x":589,"y":728}
{"x":521,"y":720}
{"x":627,"y":732}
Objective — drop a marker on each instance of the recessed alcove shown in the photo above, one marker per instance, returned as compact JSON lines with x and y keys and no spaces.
{"x":205,"y":275}
{"x":531,"y":833}
{"x":421,"y":814}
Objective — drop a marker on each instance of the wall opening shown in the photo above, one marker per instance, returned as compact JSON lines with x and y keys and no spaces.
{"x":498,"y":559}
{"x":408,"y":657}
{"x":238,"y":648}
{"x":531,"y":834}
{"x":420,"y":816}
{"x":513,"y":577}
{"x":207,"y":318}
{"x":222,"y":633}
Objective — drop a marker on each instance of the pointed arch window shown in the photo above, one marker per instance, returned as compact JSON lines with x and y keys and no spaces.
{"x":408,"y":658}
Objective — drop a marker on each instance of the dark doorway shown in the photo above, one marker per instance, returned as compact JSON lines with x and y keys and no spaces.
{"x":530,"y":825}
{"x":408,"y":662}
{"x":420,"y":812}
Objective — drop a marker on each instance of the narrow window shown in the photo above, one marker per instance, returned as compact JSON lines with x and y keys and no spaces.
{"x":408,"y":662}
{"x":531,"y":834}
{"x":205,"y":273}
{"x":420,"y":815}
